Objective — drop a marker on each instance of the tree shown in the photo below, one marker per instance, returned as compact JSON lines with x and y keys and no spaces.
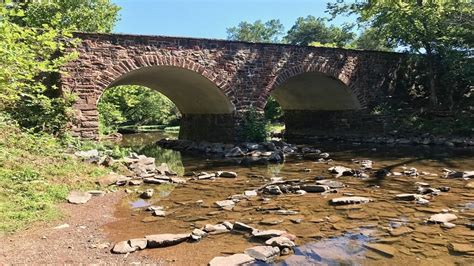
{"x":134,"y":105}
{"x":258,"y":31}
{"x":27,"y":57}
{"x":76,"y":15}
{"x":371,"y":39}
{"x":314,"y":30}
{"x":426,"y":27}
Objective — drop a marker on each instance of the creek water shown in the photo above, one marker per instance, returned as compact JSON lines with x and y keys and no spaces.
{"x":326,"y":234}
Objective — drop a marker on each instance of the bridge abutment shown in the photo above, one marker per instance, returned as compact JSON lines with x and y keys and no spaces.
{"x":302,"y":125}
{"x":208,"y":127}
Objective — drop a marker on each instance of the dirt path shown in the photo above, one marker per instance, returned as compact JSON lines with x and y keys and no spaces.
{"x":83,"y":242}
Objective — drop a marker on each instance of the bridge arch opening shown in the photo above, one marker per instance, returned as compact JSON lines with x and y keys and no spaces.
{"x":315,"y":91}
{"x":312,"y":103}
{"x":206,"y":112}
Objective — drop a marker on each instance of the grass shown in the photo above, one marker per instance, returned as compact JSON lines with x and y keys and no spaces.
{"x":35,"y":175}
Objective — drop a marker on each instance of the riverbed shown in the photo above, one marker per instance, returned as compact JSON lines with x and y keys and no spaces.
{"x":326,"y":234}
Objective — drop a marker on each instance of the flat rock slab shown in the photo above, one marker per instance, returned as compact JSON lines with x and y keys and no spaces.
{"x":233,"y":260}
{"x":280,"y":241}
{"x":267,"y":234}
{"x":238,"y":226}
{"x":315,"y":188}
{"x":401,"y":231}
{"x":78,"y":197}
{"x":383,"y":249}
{"x":271,"y":221}
{"x":165,"y":240}
{"x":350,"y":200}
{"x":263,"y":253}
{"x":123,"y":247}
{"x":461,"y":248}
{"x":226,"y":174}
{"x":225,"y":203}
{"x":139,"y":243}
{"x":330,"y":183}
{"x":442,"y":218}
{"x":408,"y":197}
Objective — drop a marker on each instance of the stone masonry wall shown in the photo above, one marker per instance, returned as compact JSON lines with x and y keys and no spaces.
{"x":245,"y":72}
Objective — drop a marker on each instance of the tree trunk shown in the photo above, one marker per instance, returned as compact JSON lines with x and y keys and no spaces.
{"x":432,"y":78}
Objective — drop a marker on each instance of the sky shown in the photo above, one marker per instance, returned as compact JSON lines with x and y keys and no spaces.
{"x":210,"y":18}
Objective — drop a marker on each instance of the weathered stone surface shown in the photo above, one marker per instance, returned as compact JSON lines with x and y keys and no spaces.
{"x":250,"y":193}
{"x":442,"y":218}
{"x":267,"y":234}
{"x":350,"y":200}
{"x":165,"y":240}
{"x":233,"y":260}
{"x":330,"y":183}
{"x":139,"y":243}
{"x":104,"y":58}
{"x":383,"y":249}
{"x":340,"y":171}
{"x":238,"y":226}
{"x":77,"y":197}
{"x":225,"y":203}
{"x":123,"y":247}
{"x":227,"y":174}
{"x":263,"y":253}
{"x":401,"y":231}
{"x":315,"y":188}
{"x":408,"y":197}
{"x":280,"y":242}
{"x":461,"y":248}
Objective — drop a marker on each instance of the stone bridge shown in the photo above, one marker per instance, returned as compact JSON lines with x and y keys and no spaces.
{"x":213,"y":82}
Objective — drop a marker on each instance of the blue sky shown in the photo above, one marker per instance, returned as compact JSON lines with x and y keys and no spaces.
{"x":209,"y":18}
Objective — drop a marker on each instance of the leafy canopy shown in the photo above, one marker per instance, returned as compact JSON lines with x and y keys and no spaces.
{"x":258,"y":31}
{"x":28,"y":57}
{"x":314,"y":30}
{"x":77,"y":15}
{"x":134,"y":105}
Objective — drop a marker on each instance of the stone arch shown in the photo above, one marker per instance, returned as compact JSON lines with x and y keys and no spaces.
{"x":324,"y":70}
{"x":200,"y":94}
{"x":211,"y":82}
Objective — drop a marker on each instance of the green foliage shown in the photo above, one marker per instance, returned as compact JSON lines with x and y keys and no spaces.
{"x":35,"y":175}
{"x":273,"y":111}
{"x":258,"y":31}
{"x":371,"y":39}
{"x":28,"y":58}
{"x":77,"y":15}
{"x":253,"y":126}
{"x":311,"y":29}
{"x":432,"y":28}
{"x":134,"y":105}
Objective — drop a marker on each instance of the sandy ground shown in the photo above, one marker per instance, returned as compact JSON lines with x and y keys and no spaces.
{"x":83,"y":242}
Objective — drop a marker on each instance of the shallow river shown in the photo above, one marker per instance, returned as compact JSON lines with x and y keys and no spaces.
{"x":326,"y":234}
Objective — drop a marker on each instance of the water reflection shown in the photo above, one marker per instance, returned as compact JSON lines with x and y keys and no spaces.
{"x":347,"y":249}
